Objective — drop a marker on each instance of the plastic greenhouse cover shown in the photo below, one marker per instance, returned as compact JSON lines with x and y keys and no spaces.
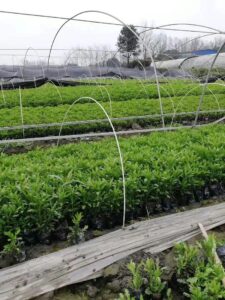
{"x":170,"y":64}
{"x":188,"y":63}
{"x":204,"y":61}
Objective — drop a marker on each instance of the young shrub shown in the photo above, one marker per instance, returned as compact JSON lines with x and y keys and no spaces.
{"x":137,"y":279}
{"x":207,"y":283}
{"x":155,"y":284}
{"x":14,"y":247}
{"x":146,"y":282}
{"x":136,"y":284}
{"x":76,"y":233}
{"x":126,"y":296}
{"x":198,"y":269}
{"x":209,"y":248}
{"x":187,"y":260}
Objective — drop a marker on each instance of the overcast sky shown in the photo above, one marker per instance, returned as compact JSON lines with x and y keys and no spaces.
{"x":24,"y":32}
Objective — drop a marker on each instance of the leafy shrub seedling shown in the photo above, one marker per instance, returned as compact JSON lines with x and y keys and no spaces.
{"x":197,"y":267}
{"x":155,"y":284}
{"x":151,"y":287}
{"x":76,"y":233}
{"x":14,"y":247}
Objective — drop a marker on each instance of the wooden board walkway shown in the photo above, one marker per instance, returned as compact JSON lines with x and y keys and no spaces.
{"x":87,"y":260}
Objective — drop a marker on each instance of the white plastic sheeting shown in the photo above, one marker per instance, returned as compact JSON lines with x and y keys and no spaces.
{"x":204,"y":62}
{"x":198,"y":62}
{"x":170,"y":64}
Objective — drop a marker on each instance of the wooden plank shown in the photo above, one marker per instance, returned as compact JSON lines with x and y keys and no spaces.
{"x":87,"y":260}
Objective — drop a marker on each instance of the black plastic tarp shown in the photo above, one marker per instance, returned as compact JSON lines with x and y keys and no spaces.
{"x":28,"y":84}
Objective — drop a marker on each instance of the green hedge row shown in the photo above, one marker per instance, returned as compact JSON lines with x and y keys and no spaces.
{"x":91,"y":111}
{"x":43,"y":188}
{"x":48,"y":95}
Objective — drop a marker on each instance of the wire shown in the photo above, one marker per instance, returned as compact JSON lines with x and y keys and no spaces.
{"x":22,"y":55}
{"x":98,"y":22}
{"x":57,"y":49}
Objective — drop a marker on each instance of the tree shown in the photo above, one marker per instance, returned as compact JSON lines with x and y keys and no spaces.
{"x":128,"y":42}
{"x":153,"y":43}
